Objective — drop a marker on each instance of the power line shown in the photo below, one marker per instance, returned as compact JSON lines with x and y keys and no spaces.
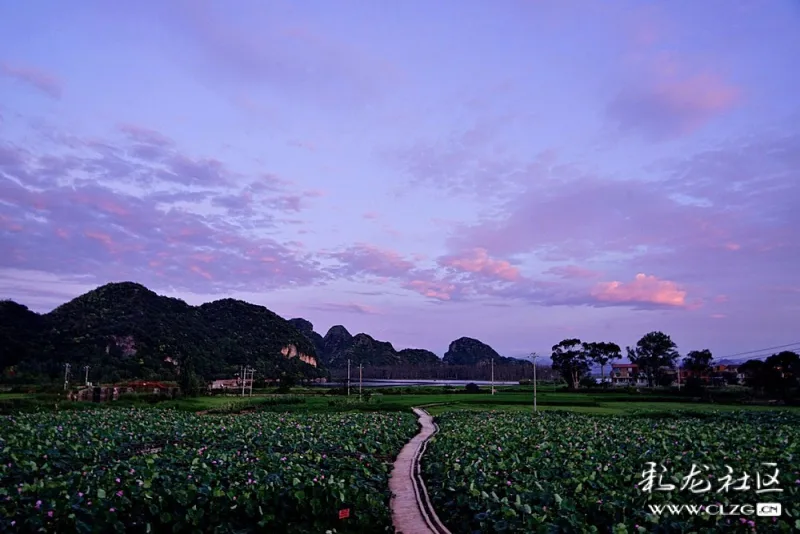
{"x":761,"y":350}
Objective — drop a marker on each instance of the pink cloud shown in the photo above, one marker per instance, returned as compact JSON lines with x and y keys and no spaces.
{"x":100,"y":236}
{"x":365,"y":259}
{"x":47,"y":83}
{"x":478,"y":261}
{"x":205,"y":274}
{"x":437,"y":290}
{"x":668,"y":98}
{"x":59,"y":195}
{"x":572,"y":272}
{"x":643,"y":289}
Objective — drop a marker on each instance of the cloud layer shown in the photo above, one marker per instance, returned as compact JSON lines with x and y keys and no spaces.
{"x":514,"y":184}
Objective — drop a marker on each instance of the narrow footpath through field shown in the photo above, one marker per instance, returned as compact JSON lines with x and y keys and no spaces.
{"x":412,"y":512}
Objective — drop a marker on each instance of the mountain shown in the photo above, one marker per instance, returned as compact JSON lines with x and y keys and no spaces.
{"x":307,"y":329}
{"x":20,"y":337}
{"x":364,"y":349}
{"x":419,"y":357}
{"x":125,"y":331}
{"x":339,"y":346}
{"x":334,"y":345}
{"x":468,"y":351}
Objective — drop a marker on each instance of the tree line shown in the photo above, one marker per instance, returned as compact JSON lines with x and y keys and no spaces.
{"x":656,"y":357}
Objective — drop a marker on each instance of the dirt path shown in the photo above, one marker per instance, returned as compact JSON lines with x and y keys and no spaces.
{"x":412,"y":512}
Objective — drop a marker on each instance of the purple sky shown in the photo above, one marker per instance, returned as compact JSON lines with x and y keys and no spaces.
{"x":515,"y":171}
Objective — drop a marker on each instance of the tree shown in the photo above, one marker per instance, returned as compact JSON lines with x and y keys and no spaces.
{"x":698,"y":362}
{"x":602,"y":353}
{"x":571,"y":361}
{"x":190,"y":384}
{"x":654,"y":351}
{"x":782,"y":372}
{"x":753,"y":373}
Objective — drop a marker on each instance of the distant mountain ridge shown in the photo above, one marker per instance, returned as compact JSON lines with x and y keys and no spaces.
{"x":126,"y":331}
{"x":339,"y":345}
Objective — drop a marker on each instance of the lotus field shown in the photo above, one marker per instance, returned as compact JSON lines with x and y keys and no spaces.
{"x":164,"y":471}
{"x":564,"y":472}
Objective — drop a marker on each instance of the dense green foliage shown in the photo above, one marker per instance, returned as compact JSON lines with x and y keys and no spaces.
{"x":165,"y":471}
{"x":652,"y":353}
{"x":125,"y":331}
{"x":20,"y":330}
{"x":778,"y":376}
{"x":564,"y":472}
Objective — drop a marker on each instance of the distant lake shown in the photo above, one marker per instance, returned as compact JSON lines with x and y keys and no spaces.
{"x":378,"y":383}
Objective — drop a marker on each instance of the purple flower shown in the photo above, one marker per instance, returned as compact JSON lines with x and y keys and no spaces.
{"x":80,"y":494}
{"x":508,"y":483}
{"x":112,"y":509}
{"x":118,"y":481}
{"x":119,"y":493}
{"x":38,"y":504}
{"x":50,"y":513}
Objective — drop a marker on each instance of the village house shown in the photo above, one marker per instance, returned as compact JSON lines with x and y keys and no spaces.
{"x":228,"y":383}
{"x":626,"y":374}
{"x":146,"y":386}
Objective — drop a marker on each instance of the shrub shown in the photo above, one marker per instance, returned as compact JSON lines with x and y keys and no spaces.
{"x":472,"y":388}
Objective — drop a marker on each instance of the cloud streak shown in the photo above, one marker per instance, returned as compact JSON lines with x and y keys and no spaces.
{"x":47,"y":83}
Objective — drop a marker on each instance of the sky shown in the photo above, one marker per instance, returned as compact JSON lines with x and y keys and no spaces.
{"x":516,"y":171}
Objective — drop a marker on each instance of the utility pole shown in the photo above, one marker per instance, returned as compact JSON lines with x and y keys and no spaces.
{"x":360,"y":375}
{"x":348,"y":377}
{"x":249,"y":370}
{"x":679,"y":376}
{"x":66,"y":375}
{"x":492,"y":376}
{"x":533,"y":357}
{"x":86,"y":368}
{"x":242,"y":377}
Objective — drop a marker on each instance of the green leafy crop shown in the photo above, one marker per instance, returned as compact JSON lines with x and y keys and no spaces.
{"x":162,"y":471}
{"x":563,"y":472}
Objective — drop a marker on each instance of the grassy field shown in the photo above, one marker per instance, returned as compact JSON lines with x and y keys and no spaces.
{"x":437,"y":402}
